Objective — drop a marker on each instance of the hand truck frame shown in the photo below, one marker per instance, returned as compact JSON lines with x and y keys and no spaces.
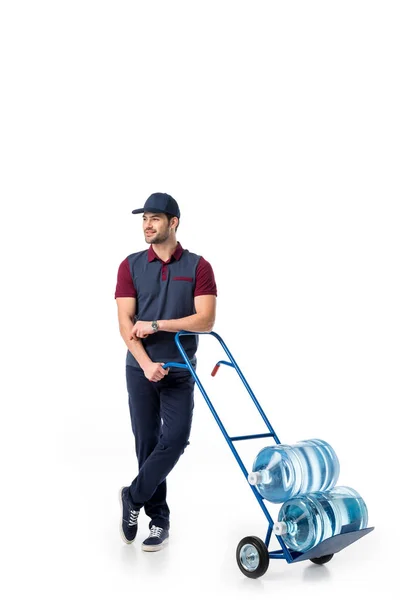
{"x":252,"y":553}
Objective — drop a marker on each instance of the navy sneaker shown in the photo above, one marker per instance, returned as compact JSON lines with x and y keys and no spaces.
{"x":128,"y":527}
{"x":158,"y":539}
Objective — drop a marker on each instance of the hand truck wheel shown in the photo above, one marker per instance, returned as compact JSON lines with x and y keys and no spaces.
{"x":321,"y":560}
{"x":252,"y":557}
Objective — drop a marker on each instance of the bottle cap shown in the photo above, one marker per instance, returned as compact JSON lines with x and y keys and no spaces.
{"x":254,"y":478}
{"x":280,"y":528}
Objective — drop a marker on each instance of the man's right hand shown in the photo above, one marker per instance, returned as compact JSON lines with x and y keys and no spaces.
{"x":155,"y":371}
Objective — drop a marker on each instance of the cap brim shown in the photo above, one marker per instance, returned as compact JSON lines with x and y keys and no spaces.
{"x":152,"y":210}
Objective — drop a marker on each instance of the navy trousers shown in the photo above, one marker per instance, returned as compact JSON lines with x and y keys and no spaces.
{"x":161,"y":417}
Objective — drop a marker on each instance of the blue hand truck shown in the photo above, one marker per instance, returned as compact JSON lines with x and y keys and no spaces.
{"x":252,"y":553}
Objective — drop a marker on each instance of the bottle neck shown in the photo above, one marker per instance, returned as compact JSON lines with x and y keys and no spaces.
{"x":286,"y":527}
{"x":264,"y":476}
{"x":291,"y":526}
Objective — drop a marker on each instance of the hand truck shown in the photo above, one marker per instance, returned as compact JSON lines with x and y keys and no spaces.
{"x":252,"y":553}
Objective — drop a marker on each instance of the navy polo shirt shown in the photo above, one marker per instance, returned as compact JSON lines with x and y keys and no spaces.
{"x":165,"y":290}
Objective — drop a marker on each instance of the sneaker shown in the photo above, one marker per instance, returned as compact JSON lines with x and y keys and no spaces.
{"x":128,"y":527}
{"x":158,"y":539}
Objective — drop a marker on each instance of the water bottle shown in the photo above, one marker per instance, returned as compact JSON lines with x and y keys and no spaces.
{"x":281,"y":472}
{"x":305,"y":521}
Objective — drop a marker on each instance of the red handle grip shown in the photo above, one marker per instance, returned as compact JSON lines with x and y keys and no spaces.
{"x":215,"y":370}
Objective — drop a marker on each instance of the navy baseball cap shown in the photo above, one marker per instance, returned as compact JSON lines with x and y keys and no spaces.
{"x":160,"y":203}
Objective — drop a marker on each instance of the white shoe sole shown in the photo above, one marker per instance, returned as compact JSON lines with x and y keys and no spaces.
{"x":120,"y":523}
{"x":147,"y":548}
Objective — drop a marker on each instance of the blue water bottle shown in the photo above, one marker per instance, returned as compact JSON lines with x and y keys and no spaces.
{"x":305,"y":521}
{"x":281,"y":472}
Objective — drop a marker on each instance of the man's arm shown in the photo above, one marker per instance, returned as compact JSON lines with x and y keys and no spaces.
{"x":126,"y":311}
{"x":202,"y":320}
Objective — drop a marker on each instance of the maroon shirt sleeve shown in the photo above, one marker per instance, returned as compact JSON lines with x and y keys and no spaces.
{"x":125,"y":287}
{"x":205,"y":282}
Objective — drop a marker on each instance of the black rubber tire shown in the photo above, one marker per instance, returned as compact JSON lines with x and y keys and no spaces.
{"x":321,"y":560}
{"x":262,"y":553}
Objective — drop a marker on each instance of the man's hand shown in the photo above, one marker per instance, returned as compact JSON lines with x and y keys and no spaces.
{"x":141,"y":329}
{"x":155,"y":371}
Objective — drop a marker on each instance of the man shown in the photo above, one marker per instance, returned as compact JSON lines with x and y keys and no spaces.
{"x":160,"y":291}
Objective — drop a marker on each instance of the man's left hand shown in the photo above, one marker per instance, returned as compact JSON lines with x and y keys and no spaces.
{"x":142,"y":329}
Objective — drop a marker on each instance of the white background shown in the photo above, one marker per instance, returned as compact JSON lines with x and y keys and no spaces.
{"x":275,"y":125}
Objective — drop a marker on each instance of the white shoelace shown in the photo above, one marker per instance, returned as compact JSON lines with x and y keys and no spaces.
{"x":155,"y":531}
{"x":133,"y":517}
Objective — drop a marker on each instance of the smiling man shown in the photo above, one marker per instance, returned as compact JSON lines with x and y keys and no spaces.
{"x":160,"y":291}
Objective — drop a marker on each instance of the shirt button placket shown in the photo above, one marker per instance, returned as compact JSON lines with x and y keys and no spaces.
{"x":164,"y":272}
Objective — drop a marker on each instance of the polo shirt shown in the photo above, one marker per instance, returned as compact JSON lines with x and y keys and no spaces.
{"x":165,"y":290}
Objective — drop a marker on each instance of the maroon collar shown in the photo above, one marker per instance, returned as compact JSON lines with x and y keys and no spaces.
{"x":176,"y":254}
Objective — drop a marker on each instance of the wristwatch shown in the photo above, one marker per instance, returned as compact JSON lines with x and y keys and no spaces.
{"x":154,"y":325}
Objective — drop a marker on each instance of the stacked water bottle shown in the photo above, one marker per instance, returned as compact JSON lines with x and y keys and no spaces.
{"x":303,"y":477}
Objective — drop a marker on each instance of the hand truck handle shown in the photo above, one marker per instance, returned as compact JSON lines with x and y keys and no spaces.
{"x":217,"y":366}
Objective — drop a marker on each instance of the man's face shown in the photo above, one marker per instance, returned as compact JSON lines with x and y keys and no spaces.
{"x":155,"y":227}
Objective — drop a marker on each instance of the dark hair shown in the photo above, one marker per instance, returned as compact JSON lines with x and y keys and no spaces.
{"x":169,"y":217}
